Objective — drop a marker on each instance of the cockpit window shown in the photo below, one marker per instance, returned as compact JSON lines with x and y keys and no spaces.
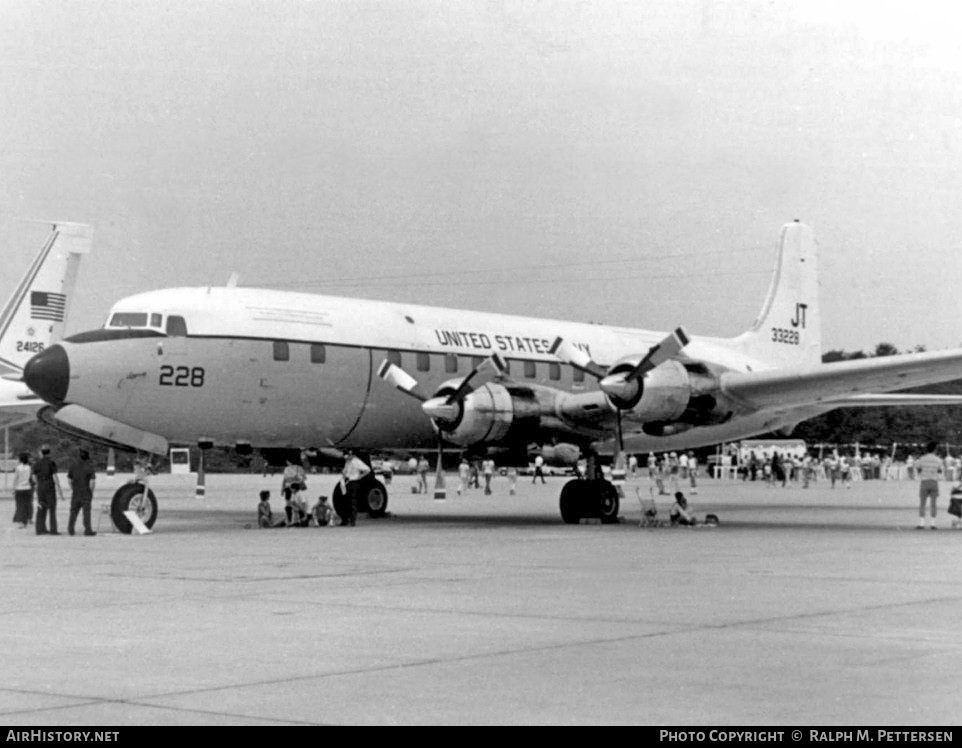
{"x":129,"y":319}
{"x":176,"y":326}
{"x":155,"y":319}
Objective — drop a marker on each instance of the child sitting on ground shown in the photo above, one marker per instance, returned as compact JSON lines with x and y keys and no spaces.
{"x":323,"y":512}
{"x":678,"y":514}
{"x":264,"y":515}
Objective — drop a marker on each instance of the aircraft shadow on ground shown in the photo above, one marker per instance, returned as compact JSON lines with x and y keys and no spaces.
{"x":732,"y":517}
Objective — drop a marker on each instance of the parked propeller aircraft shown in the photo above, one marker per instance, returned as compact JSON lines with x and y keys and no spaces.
{"x":35,"y":315}
{"x":271,"y":369}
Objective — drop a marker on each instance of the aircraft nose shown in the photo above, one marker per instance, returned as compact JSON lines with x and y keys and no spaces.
{"x":48,"y":374}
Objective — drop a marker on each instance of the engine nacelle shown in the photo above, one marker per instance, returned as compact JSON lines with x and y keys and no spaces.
{"x":671,"y":398}
{"x":661,"y":395}
{"x":491,"y":414}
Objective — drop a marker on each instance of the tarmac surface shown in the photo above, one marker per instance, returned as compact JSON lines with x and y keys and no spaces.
{"x":803,"y":607}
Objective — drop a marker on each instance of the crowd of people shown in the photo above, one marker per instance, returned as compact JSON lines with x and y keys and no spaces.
{"x":837,"y":468}
{"x":41,"y":477}
{"x":38,"y":480}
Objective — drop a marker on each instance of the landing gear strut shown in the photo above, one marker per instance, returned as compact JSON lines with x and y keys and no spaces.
{"x":584,"y":498}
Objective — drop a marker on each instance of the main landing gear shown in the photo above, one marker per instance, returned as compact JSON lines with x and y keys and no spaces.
{"x":589,"y":498}
{"x":371,"y":498}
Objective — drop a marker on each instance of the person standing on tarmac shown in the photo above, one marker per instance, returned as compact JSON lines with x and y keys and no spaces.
{"x":464,"y":475}
{"x":23,"y":483}
{"x":82,"y":479}
{"x":487,"y":467}
{"x":929,"y":469}
{"x":48,"y":488}
{"x":354,"y":470}
{"x":293,"y":473}
{"x":423,"y":467}
{"x":538,"y":472}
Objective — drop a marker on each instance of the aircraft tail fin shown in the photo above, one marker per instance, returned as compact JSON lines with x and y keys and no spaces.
{"x":788,"y":330}
{"x":35,"y":314}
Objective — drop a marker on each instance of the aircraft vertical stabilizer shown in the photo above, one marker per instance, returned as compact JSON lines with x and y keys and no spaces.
{"x":788,"y":331}
{"x":34,"y":316}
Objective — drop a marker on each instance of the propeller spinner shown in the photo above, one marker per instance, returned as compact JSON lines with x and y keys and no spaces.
{"x":621,"y":386}
{"x":444,"y":408}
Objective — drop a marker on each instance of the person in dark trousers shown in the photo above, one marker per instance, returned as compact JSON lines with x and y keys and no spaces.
{"x":538,"y":471}
{"x":354,"y":470}
{"x":48,"y":488}
{"x":82,"y":479}
{"x":23,"y":483}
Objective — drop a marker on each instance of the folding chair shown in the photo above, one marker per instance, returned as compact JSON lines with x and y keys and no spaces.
{"x":649,"y":510}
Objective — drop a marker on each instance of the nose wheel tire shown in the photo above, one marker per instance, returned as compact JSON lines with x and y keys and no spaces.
{"x":137,"y":498}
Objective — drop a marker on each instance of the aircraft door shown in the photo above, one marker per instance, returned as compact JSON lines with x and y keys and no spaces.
{"x":321,"y":391}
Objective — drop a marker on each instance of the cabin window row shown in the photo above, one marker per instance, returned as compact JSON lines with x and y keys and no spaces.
{"x":422,"y":362}
{"x":282,"y":352}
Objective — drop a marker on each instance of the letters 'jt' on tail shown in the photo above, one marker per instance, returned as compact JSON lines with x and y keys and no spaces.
{"x":788,"y":331}
{"x":33,"y":317}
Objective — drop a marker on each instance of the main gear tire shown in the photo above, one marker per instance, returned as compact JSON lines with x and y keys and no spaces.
{"x":341,"y":503}
{"x":571,"y":501}
{"x":372,"y":498}
{"x":608,"y":502}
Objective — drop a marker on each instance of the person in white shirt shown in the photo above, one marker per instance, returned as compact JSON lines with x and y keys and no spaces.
{"x":538,"y":472}
{"x":23,"y":484}
{"x":487,"y":467}
{"x":464,"y":475}
{"x":693,"y":472}
{"x":354,"y":470}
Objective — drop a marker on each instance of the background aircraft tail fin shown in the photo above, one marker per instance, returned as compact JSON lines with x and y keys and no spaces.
{"x":788,"y":331}
{"x":36,"y":312}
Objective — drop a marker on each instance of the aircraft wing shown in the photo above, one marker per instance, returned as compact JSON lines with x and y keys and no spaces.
{"x":848,"y":383}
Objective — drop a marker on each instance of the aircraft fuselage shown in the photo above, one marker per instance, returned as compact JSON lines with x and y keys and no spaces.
{"x":277,"y":369}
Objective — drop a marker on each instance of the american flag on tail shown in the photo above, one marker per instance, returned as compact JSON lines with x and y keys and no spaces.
{"x":47,"y":305}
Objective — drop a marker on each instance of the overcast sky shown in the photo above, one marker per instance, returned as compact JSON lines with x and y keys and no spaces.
{"x":628,"y":163}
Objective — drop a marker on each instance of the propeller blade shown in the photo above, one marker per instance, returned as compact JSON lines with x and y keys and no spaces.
{"x":492,"y":367}
{"x":571,"y":354}
{"x":393,"y":374}
{"x":624,"y":386}
{"x":658,"y":354}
